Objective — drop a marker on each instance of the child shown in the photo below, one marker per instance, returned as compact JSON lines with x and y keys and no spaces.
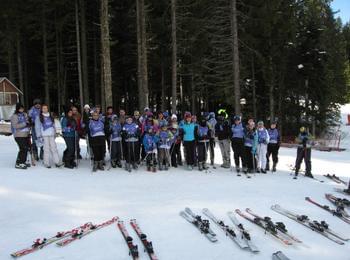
{"x":46,"y":134}
{"x":222,"y":131}
{"x":150,"y":144}
{"x":187,"y":131}
{"x":116,"y":140}
{"x":250,"y":142}
{"x":68,"y":124}
{"x":237,"y":141}
{"x":97,"y":140}
{"x":273,"y":146}
{"x":211,"y":124}
{"x":131,"y":135}
{"x":203,"y":135}
{"x":263,"y":140}
{"x":165,"y":137}
{"x":175,"y":150}
{"x":20,"y":129}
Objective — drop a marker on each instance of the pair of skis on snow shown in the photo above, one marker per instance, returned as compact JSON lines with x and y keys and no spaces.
{"x":64,"y":238}
{"x":276,"y":229}
{"x":133,"y":249}
{"x":335,"y":178}
{"x":339,"y":210}
{"x":238,"y":234}
{"x":320,"y":227}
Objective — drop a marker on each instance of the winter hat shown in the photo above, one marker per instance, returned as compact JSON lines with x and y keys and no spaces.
{"x":19,"y":106}
{"x":163,"y":124}
{"x":87,"y":106}
{"x":211,"y":115}
{"x":187,"y":114}
{"x":166,"y":114}
{"x":260,"y":123}
{"x":302,"y":129}
{"x":136,"y":113}
{"x":36,"y":101}
{"x":146,"y":109}
{"x":237,"y":118}
{"x":173,"y":117}
{"x":114,"y":117}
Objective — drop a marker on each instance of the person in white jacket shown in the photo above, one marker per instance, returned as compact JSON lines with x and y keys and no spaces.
{"x":263,"y":140}
{"x":46,"y":134}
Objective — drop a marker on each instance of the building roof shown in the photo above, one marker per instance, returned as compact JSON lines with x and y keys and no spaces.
{"x":13,"y":85}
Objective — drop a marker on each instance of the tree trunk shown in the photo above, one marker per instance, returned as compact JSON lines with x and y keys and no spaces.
{"x":271,"y":91}
{"x":164,"y":102}
{"x":10,"y":61}
{"x":46,"y":66}
{"x":173,"y":57}
{"x":83,"y":45}
{"x":19,"y":61}
{"x":97,"y":91}
{"x":236,"y":76}
{"x":254,"y":88}
{"x":81,"y":97}
{"x":58,"y":67}
{"x":106,"y":56}
{"x":139,"y":55}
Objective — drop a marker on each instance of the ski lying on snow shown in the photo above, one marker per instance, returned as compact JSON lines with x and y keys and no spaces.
{"x":133,"y":250}
{"x":335,"y":178}
{"x":279,"y":256}
{"x":319,"y":227}
{"x":228,"y":230}
{"x":338,"y":212}
{"x":201,"y":224}
{"x":43,"y":242}
{"x":338,"y":201}
{"x":278,"y":226}
{"x":343,"y":191}
{"x":191,"y":213}
{"x":84,"y":232}
{"x":263,"y":225}
{"x":244,"y":233}
{"x":146,"y":244}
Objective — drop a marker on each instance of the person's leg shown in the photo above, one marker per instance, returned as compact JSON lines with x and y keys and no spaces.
{"x":235,"y":149}
{"x":307,"y":160}
{"x":54,"y":151}
{"x":22,"y":143}
{"x":300,"y":156}
{"x":211,"y":150}
{"x":46,"y":151}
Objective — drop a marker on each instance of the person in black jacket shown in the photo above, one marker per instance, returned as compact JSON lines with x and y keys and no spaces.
{"x":223,"y":133}
{"x":202,"y":134}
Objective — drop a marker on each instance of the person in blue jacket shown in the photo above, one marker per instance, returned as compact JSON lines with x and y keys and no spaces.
{"x":250,"y":144}
{"x":273,"y":146}
{"x":237,"y":141}
{"x":68,"y":124}
{"x":97,"y":140}
{"x":131,"y":136}
{"x":150,"y":140}
{"x":187,"y":131}
{"x":116,"y":142}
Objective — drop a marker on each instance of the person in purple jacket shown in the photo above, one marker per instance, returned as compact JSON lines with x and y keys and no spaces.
{"x":273,"y":146}
{"x":97,"y":140}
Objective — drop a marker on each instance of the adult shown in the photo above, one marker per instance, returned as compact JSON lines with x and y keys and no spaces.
{"x":304,"y":141}
{"x":33,"y":113}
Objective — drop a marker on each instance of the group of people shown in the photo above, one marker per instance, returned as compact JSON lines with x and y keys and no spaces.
{"x":151,"y":138}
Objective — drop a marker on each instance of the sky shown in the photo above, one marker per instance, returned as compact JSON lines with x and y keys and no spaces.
{"x":344,"y":7}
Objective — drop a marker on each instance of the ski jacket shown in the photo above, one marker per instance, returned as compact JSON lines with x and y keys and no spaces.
{"x":68,"y":126}
{"x":188,"y":130}
{"x":274,"y":136}
{"x":130,"y":132}
{"x":44,"y":125}
{"x":20,"y":125}
{"x":115,"y":130}
{"x":222,"y":130}
{"x":263,"y":136}
{"x":96,"y":128}
{"x":237,"y":131}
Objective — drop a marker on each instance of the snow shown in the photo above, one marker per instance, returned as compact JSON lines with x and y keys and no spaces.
{"x":39,"y":202}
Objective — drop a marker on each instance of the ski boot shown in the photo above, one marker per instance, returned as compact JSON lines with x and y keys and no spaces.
{"x":113,"y":164}
{"x":94,"y":168}
{"x":59,"y":165}
{"x":21,"y":166}
{"x":189,"y":167}
{"x":205,"y":166}
{"x":119,"y":164}
{"x":200,"y":167}
{"x":257,"y":170}
{"x":263,"y":171}
{"x":274,"y":167}
{"x":308,"y":174}
{"x":100,"y":166}
{"x":134,"y":166}
{"x":238,"y":169}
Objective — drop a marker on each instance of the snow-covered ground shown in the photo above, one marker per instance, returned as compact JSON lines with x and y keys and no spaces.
{"x":39,"y":202}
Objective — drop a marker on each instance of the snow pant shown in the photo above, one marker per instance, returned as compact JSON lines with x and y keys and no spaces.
{"x":225,"y":151}
{"x":151,"y":159}
{"x":69,"y":153}
{"x":116,"y":151}
{"x":132,"y":152}
{"x":163,"y":156}
{"x":190,"y":150}
{"x":303,"y":153}
{"x":238,"y":150}
{"x":261,"y":154}
{"x":202,"y":150}
{"x":211,"y":150}
{"x":23,"y":145}
{"x":98,"y":146}
{"x":50,"y":150}
{"x":272,"y":149}
{"x":34,"y":146}
{"x":175,"y":152}
{"x":248,"y":158}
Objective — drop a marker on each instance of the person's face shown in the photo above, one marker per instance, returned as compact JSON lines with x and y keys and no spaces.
{"x":21,"y":110}
{"x":160,"y":116}
{"x":110,"y":111}
{"x":273,"y":126}
{"x":237,"y":122}
{"x":87,"y":110}
{"x":122,"y":112}
{"x":45,"y":109}
{"x":95,"y":116}
{"x":129,"y":120}
{"x":70,"y":113}
{"x":38,"y":106}
{"x":188,"y":119}
{"x":137,"y":116}
{"x":74,"y":110}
